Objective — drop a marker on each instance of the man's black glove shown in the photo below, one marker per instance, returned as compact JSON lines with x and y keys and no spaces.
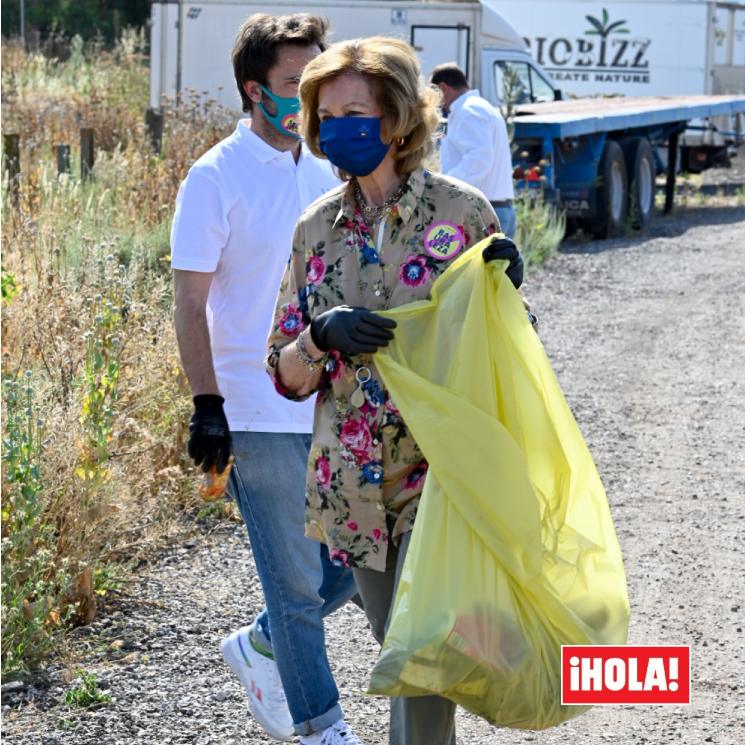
{"x":351,"y":330}
{"x":501,"y":247}
{"x":209,"y":441}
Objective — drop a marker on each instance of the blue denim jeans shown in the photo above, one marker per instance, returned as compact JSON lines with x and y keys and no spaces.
{"x":300,"y":584}
{"x":507,"y":219}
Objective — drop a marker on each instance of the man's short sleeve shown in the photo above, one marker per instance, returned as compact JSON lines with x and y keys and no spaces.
{"x":200,"y":226}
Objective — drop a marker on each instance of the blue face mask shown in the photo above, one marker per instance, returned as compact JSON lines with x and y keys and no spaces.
{"x":353,"y":144}
{"x":286,"y":120}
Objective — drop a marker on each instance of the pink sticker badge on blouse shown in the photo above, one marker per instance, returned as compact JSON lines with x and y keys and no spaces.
{"x":443,"y":240}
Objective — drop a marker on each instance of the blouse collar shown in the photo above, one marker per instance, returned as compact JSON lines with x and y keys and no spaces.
{"x":405,"y":207}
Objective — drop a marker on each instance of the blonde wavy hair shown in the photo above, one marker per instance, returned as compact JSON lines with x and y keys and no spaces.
{"x":410,"y":107}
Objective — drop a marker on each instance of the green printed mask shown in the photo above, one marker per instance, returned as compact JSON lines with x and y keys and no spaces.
{"x":286,"y":118}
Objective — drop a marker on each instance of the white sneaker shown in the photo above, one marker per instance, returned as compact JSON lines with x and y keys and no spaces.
{"x":260,"y":678}
{"x":339,"y":733}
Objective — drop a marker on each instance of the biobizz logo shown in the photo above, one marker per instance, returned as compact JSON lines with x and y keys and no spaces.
{"x":607,"y":53}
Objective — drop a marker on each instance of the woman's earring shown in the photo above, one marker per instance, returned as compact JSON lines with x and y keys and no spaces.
{"x":400,"y":141}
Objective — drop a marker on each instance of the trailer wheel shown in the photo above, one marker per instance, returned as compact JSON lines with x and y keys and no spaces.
{"x":611,"y":200}
{"x":641,"y":170}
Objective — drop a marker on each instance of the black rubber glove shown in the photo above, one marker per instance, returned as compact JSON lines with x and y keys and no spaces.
{"x":351,"y":330}
{"x":209,"y":441}
{"x":501,"y":247}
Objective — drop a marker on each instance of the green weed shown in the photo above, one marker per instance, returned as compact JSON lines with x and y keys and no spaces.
{"x":86,"y":693}
{"x":540,"y":227}
{"x":220,"y":509}
{"x":32,"y":582}
{"x":9,"y":286}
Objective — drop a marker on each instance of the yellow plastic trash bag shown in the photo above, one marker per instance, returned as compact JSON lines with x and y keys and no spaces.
{"x":513,"y":551}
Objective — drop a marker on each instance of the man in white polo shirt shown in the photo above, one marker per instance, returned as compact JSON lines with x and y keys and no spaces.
{"x":476,"y":148}
{"x":230,"y":242}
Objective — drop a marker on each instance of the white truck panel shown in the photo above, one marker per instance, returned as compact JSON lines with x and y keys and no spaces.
{"x":442,"y":32}
{"x":728,"y":73}
{"x":164,"y":51}
{"x":628,"y":48}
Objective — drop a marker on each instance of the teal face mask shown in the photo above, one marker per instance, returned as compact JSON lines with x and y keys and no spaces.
{"x":286,"y":118}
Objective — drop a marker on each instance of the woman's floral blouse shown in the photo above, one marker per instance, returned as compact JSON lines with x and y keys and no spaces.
{"x":365,"y":472}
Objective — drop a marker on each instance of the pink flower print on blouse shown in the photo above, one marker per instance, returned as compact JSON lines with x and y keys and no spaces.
{"x":391,"y":408}
{"x":367,"y":409}
{"x":352,"y":525}
{"x":414,"y":271}
{"x":316,"y":270}
{"x":323,"y":472}
{"x":291,"y":322}
{"x":355,"y":436}
{"x":338,"y":556}
{"x":466,"y":235}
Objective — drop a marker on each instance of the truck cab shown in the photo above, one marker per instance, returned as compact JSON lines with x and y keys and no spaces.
{"x":534,"y":84}
{"x":502,"y":57}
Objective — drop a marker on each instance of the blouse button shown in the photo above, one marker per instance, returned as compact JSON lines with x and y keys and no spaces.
{"x":377,"y":293}
{"x":376,"y":442}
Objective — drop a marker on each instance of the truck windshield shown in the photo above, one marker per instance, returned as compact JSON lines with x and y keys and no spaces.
{"x":521,"y":83}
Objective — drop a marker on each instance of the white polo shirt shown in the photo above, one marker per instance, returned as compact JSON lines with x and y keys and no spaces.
{"x":476,"y":148}
{"x":235,"y":216}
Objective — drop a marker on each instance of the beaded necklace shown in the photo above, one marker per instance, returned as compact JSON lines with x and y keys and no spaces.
{"x":374,"y":213}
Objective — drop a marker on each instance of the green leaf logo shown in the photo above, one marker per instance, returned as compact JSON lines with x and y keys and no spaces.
{"x":603,"y":28}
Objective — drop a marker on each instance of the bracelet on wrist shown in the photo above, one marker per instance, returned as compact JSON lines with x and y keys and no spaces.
{"x":313,"y":364}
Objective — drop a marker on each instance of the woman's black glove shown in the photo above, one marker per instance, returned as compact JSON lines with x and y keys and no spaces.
{"x":351,"y":330}
{"x":501,"y":247}
{"x":209,"y":441}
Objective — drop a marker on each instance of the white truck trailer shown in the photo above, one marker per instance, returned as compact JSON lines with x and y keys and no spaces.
{"x":642,"y":48}
{"x":191,"y":41}
{"x":635,"y":47}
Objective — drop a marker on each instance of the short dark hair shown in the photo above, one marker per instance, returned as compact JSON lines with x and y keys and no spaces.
{"x":450,"y":74}
{"x":255,"y":46}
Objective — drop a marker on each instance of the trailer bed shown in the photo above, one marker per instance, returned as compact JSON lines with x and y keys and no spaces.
{"x":583,"y":116}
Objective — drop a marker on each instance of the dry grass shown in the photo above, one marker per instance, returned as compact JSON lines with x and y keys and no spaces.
{"x":95,"y":406}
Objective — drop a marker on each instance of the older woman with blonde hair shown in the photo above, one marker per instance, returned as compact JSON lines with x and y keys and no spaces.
{"x":376,"y":242}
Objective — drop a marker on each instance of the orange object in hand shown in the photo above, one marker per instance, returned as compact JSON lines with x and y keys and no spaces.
{"x":213,"y":483}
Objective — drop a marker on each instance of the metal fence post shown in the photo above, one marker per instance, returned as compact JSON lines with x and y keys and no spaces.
{"x":154,"y":126}
{"x":63,"y":158}
{"x":86,"y":153}
{"x":12,"y":162}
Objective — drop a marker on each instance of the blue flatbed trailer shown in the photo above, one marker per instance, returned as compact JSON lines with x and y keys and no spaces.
{"x":599,"y":157}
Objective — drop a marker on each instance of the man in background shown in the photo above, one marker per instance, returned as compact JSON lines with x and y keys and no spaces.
{"x":476,"y":148}
{"x":230,"y":242}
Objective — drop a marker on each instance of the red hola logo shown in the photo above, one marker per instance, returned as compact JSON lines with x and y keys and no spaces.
{"x":625,"y":675}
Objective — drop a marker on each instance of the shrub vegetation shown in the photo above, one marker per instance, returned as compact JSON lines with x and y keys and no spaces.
{"x":94,"y":402}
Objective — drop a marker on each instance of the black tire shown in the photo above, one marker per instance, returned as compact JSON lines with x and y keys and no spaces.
{"x":640,"y":167}
{"x":611,"y":193}
{"x":573,"y":225}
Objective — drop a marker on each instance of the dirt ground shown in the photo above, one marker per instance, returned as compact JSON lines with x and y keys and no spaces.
{"x":647,"y":337}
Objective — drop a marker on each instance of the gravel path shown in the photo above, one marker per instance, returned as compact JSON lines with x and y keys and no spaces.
{"x":647,"y":336}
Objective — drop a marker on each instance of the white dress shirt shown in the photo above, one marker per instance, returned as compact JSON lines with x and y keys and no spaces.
{"x":476,"y":148}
